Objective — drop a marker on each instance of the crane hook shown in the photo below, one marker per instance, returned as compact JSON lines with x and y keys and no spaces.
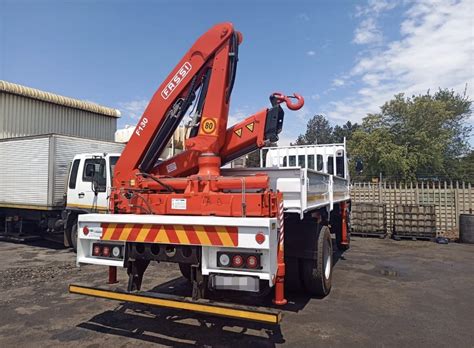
{"x":280,"y":98}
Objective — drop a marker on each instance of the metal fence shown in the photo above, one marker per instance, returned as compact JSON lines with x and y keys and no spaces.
{"x":450,"y":200}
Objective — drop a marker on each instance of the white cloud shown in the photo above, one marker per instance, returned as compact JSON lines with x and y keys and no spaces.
{"x":436,"y":51}
{"x":338,"y":82}
{"x":311,"y":53}
{"x":367,"y":33}
{"x":134,"y":108}
{"x":375,"y":7}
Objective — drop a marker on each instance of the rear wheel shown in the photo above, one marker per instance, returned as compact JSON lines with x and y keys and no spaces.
{"x":317,"y":274}
{"x":71,"y":235}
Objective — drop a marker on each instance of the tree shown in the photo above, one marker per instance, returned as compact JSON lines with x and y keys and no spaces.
{"x":346,"y":131}
{"x":419,"y":137}
{"x":318,"y":131}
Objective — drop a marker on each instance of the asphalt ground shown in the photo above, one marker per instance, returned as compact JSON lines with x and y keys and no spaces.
{"x":385,"y":294}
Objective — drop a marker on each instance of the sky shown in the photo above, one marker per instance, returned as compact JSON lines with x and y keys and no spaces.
{"x":345,"y":57}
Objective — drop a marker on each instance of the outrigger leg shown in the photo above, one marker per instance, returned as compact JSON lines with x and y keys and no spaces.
{"x":199,"y":282}
{"x":135,"y":270}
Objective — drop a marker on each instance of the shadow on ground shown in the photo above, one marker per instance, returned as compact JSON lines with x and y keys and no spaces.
{"x":183,"y":329}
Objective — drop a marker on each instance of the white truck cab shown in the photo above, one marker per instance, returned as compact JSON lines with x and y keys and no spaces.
{"x":325,"y":158}
{"x":90,"y":179}
{"x":88,"y":188}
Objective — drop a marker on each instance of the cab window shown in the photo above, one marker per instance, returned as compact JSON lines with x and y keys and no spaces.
{"x":73,"y":174}
{"x":340,"y":166}
{"x":301,"y":161}
{"x":94,"y":169}
{"x":319,"y":164}
{"x":292,"y":161}
{"x":113,"y":162}
{"x":311,"y":161}
{"x":330,"y":165}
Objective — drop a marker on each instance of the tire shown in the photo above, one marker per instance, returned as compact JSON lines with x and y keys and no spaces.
{"x":71,"y":235}
{"x":317,"y":274}
{"x":185,"y":269}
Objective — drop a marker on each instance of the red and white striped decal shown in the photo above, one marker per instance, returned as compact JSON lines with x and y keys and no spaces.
{"x":281,"y":220}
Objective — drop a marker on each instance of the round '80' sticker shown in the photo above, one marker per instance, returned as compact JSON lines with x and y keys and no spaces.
{"x":209,"y":126}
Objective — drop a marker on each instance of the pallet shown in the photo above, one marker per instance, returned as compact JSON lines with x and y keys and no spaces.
{"x":381,"y":235}
{"x":404,"y":237}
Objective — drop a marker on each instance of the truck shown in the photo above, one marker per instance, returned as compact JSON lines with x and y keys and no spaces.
{"x":243,"y":230}
{"x":48,"y":180}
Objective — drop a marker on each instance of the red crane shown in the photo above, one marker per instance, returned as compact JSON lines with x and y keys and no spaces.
{"x":204,"y":78}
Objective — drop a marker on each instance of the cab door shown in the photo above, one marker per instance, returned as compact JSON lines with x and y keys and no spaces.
{"x":89,"y":191}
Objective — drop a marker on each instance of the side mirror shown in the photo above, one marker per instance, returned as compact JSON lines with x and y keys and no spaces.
{"x":359,"y":166}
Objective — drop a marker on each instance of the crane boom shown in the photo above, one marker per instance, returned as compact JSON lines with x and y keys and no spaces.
{"x":204,"y":77}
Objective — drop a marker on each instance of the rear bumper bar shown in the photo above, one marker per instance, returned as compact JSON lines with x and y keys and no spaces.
{"x":265,"y":315}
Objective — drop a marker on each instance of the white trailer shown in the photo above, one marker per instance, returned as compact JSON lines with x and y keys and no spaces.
{"x":34,"y":197}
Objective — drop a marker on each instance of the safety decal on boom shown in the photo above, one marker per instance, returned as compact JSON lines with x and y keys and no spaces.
{"x":171,"y":234}
{"x":250,"y":127}
{"x":209,"y":126}
{"x":238,"y":132}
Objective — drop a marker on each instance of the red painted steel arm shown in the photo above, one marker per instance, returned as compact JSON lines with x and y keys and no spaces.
{"x":210,"y":50}
{"x":242,"y":138}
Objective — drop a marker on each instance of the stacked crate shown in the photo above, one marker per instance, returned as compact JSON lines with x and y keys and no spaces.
{"x":414,"y":221}
{"x":369,"y":219}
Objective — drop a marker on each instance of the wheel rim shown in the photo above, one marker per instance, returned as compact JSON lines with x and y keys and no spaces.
{"x":327,"y":261}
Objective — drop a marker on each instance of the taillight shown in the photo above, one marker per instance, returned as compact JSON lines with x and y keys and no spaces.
{"x":96,"y":250}
{"x":224,"y":260}
{"x":107,"y":250}
{"x":237,"y":261}
{"x":85,"y":230}
{"x":252,"y":262}
{"x":116,"y":251}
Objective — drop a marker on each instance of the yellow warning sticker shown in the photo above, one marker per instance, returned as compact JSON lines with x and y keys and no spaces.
{"x":238,"y":132}
{"x":250,"y":127}
{"x":209,"y":126}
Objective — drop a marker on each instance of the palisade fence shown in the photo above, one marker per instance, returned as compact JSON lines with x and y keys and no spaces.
{"x":449,"y":199}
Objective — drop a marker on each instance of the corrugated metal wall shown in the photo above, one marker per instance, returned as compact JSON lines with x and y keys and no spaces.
{"x":22,"y":116}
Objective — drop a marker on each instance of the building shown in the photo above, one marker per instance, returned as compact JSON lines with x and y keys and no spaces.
{"x":27,"y":111}
{"x":175,"y":145}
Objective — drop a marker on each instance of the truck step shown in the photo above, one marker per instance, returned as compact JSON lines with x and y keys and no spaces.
{"x":260,"y":314}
